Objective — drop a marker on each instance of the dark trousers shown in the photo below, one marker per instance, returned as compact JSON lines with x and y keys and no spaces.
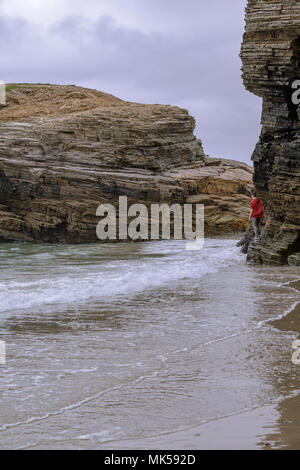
{"x":256,"y":224}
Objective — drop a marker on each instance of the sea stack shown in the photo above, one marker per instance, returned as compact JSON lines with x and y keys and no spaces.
{"x":271,"y":64}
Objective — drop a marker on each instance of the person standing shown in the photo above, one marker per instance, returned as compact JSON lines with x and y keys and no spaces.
{"x":256,"y":214}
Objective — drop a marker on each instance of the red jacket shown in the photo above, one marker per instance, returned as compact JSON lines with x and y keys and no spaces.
{"x":258,"y":208}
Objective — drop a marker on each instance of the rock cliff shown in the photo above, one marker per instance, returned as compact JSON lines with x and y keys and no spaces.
{"x":65,"y":149}
{"x":271,"y":63}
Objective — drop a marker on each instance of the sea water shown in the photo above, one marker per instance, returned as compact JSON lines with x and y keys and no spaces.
{"x":129,"y":341}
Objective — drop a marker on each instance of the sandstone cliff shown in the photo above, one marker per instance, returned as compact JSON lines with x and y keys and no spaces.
{"x":64,"y":150}
{"x":271,"y":62}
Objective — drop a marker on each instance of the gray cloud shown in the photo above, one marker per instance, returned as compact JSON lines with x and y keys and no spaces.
{"x":183,"y":53}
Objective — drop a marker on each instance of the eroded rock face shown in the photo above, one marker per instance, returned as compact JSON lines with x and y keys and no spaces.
{"x":271,"y":62}
{"x":64,"y":150}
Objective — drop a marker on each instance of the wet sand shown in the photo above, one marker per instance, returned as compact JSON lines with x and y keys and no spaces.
{"x":147,"y":346}
{"x":290,"y":322}
{"x":243,"y":431}
{"x":270,"y":427}
{"x":286,"y":433}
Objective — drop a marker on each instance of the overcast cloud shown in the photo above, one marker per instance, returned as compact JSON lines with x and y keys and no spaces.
{"x":152,"y":51}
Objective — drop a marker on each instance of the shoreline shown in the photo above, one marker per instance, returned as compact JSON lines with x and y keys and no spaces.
{"x":236,"y":432}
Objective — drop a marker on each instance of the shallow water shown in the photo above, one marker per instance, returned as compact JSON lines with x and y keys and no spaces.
{"x":132,"y":341}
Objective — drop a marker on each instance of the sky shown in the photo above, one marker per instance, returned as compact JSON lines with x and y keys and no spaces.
{"x":179,"y":52}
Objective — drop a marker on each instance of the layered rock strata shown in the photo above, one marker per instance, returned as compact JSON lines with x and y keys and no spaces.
{"x":271,"y":64}
{"x":64,"y":150}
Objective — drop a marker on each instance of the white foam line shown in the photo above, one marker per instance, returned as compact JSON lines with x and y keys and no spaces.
{"x":96,"y":396}
{"x":279,"y":317}
{"x":187,"y":428}
{"x":213,"y":341}
{"x":293,"y":394}
{"x":166,"y":433}
{"x":234,"y":335}
{"x":286,"y":283}
{"x":73,"y":406}
{"x":240,"y":333}
{"x":216,"y":418}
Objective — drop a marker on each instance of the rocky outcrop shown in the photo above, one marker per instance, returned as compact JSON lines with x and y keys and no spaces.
{"x":64,"y":150}
{"x":271,"y":62}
